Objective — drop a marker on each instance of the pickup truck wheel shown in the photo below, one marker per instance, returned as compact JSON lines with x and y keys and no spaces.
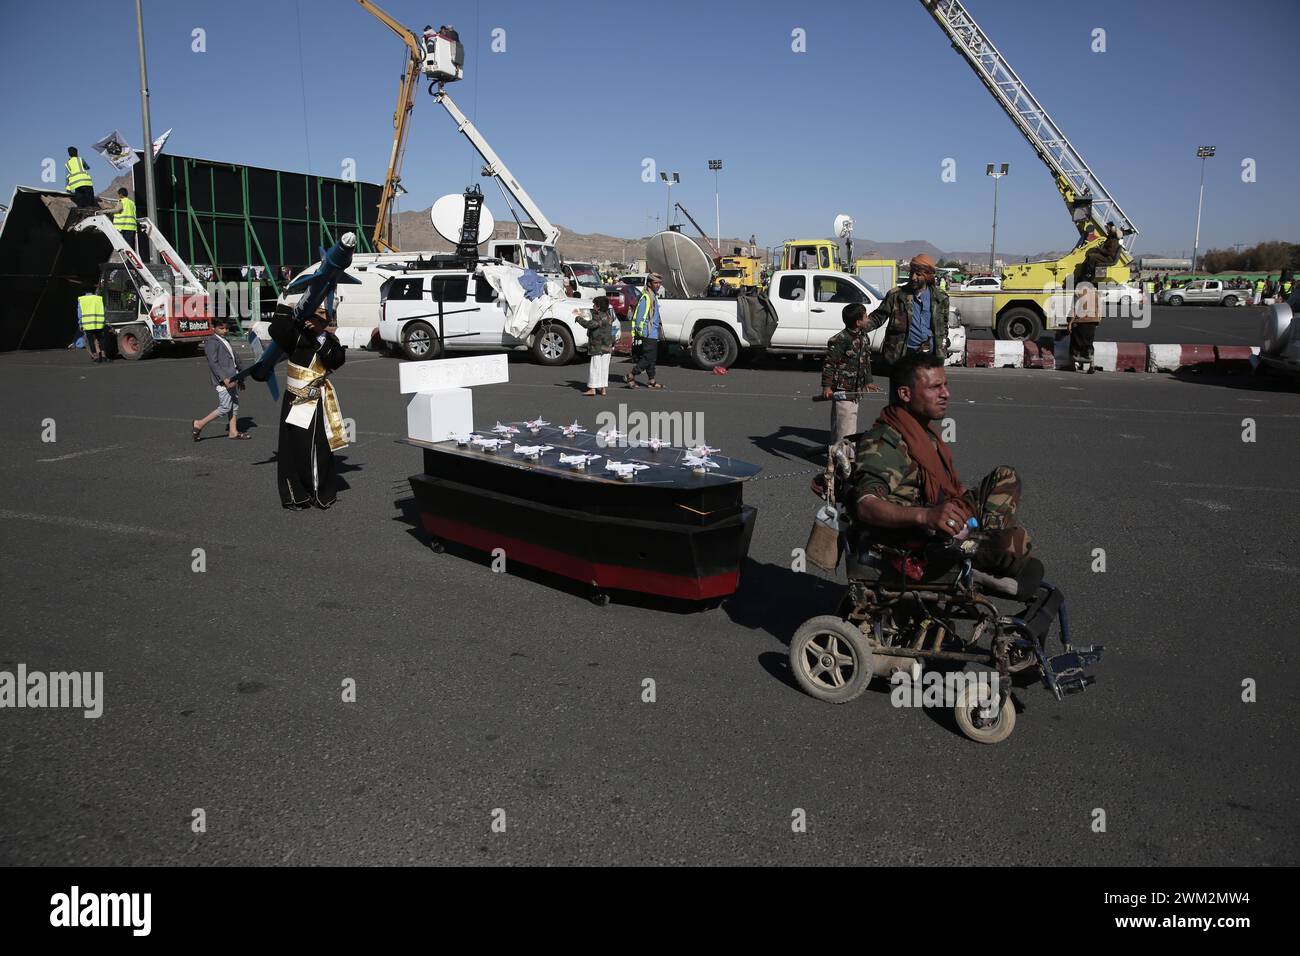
{"x":713,"y":346}
{"x":1022,"y":324}
{"x":1230,"y":300}
{"x":553,"y":345}
{"x":135,"y":342}
{"x":1175,"y":300}
{"x":419,"y":342}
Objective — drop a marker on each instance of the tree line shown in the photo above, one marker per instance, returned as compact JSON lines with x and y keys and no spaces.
{"x":1261,"y":257}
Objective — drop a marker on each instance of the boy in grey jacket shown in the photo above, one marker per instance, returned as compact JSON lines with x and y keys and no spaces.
{"x":223,"y":366}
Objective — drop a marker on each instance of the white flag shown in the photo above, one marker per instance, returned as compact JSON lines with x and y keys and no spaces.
{"x":115,"y":149}
{"x":158,"y":143}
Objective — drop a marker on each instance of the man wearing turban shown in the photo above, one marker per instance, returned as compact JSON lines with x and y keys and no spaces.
{"x":916,"y":314}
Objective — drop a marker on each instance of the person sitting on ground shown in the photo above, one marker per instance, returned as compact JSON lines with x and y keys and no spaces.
{"x":905,"y":488}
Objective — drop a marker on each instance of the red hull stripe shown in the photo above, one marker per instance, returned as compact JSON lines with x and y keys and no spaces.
{"x":590,"y":572}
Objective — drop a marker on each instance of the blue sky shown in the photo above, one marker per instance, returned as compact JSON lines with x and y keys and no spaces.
{"x":859,"y":123}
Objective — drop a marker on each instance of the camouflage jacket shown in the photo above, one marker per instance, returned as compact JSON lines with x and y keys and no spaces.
{"x":882,"y":467}
{"x":600,"y":332}
{"x":896,"y":310}
{"x":848,"y":361}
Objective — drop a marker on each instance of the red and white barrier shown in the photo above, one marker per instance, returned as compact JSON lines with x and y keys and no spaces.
{"x":1008,"y":354}
{"x":1111,"y":356}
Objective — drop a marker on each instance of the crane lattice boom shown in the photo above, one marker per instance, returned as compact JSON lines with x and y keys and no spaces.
{"x":1075,"y":180}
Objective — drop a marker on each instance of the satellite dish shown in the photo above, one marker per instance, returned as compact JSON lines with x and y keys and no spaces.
{"x":448,"y":215}
{"x":843,"y":226}
{"x":684,"y":266}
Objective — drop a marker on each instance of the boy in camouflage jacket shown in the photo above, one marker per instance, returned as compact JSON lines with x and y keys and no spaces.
{"x":847,"y":369}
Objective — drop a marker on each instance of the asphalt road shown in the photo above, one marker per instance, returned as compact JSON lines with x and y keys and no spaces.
{"x":478,"y":691}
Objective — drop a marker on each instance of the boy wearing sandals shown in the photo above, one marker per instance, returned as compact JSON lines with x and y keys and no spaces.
{"x":223,"y":367}
{"x":600,"y":344}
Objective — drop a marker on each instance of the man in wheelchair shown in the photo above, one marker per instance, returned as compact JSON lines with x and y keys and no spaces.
{"x":902,"y":493}
{"x":917,"y":564}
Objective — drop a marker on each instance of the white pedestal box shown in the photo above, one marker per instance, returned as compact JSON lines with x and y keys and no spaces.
{"x":438,"y":414}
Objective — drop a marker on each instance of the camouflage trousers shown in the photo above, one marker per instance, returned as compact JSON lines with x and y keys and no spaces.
{"x":1005,"y":545}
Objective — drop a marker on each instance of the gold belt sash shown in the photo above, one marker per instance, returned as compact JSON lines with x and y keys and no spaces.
{"x":309,"y":386}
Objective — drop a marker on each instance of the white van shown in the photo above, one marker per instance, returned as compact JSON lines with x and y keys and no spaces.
{"x":423,"y":313}
{"x":357,"y":306}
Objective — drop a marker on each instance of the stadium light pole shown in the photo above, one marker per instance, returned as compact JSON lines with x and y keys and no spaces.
{"x":1204,"y":152}
{"x":996,"y":174}
{"x":716,"y":166}
{"x":670,"y":183}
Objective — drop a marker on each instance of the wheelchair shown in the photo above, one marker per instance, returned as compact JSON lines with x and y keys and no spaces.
{"x":926,"y":617}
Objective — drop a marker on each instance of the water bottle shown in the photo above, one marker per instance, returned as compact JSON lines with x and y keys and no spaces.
{"x":970,"y":525}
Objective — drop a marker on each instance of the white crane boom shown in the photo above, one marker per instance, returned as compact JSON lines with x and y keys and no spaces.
{"x":497,"y":168}
{"x":1074,"y":179}
{"x":151,"y":291}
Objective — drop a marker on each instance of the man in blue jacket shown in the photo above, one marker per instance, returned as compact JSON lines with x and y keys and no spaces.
{"x":645,"y":333}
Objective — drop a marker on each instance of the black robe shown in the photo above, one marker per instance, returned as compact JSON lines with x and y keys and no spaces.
{"x":304,"y":460}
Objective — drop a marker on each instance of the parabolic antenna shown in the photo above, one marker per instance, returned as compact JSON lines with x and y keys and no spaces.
{"x":448,"y":215}
{"x":683,"y":264}
{"x":843,"y":226}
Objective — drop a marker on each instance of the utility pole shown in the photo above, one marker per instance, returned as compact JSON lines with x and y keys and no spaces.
{"x":996,"y":174}
{"x":716,"y":166}
{"x":1205,"y":152}
{"x":150,"y":193}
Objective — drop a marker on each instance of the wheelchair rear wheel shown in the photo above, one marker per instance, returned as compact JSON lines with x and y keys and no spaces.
{"x":831,"y":659}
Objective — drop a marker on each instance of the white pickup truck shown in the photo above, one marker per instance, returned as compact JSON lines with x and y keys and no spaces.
{"x":1205,"y":292}
{"x":808,"y":302}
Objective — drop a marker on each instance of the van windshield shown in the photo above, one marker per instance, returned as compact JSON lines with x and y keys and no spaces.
{"x":542,"y":258}
{"x":585,"y":274}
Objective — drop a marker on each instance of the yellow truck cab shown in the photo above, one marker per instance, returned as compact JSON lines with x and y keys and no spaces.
{"x":738,"y":272}
{"x":811,"y":254}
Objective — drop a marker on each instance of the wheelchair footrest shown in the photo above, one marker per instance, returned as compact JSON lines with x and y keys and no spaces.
{"x":1065,"y":674}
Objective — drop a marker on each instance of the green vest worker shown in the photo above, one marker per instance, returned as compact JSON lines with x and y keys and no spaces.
{"x":124,"y":218}
{"x":80,"y":184}
{"x":90,"y":313}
